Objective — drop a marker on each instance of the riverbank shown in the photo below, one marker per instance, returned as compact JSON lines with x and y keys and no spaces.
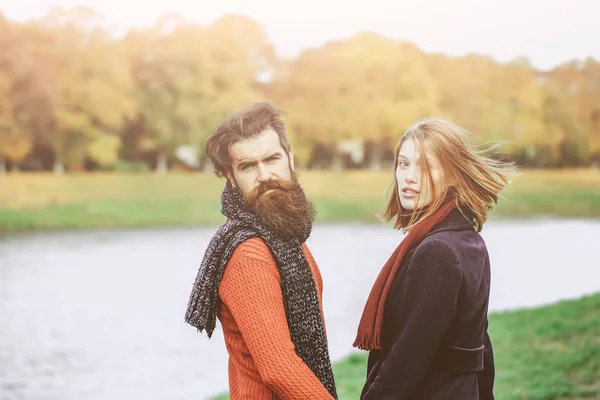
{"x":37,"y":202}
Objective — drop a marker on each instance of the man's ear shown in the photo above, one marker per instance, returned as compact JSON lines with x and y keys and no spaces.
{"x":291,"y":156}
{"x":230,"y":178}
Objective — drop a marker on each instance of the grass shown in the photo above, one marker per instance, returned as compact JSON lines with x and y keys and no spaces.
{"x":47,"y":202}
{"x":546,"y":353}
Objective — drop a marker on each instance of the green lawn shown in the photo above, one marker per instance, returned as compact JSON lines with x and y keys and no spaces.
{"x":47,"y":202}
{"x":547,"y":353}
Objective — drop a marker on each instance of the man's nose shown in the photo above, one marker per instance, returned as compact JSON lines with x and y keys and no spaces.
{"x":264,"y":174}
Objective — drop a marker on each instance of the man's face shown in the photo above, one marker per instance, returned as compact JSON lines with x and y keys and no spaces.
{"x":263,"y":173}
{"x":259,"y":159}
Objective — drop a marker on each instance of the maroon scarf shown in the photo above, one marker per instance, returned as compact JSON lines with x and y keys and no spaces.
{"x":371,"y":324}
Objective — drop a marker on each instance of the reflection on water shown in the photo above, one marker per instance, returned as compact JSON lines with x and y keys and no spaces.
{"x":99,"y":315}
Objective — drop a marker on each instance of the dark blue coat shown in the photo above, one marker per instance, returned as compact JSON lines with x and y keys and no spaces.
{"x":435,"y":341}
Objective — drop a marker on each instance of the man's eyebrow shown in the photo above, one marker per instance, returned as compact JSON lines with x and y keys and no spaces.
{"x":245,"y":163}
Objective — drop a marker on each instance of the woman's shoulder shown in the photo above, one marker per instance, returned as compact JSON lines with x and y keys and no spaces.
{"x":453,"y":239}
{"x":441,"y":244}
{"x":433,"y":255}
{"x":431,"y":261}
{"x":457,"y":248}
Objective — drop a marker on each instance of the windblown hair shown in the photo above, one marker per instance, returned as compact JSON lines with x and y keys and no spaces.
{"x":477,"y":179}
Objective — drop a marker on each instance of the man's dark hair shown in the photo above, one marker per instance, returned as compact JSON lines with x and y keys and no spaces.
{"x":241,"y":125}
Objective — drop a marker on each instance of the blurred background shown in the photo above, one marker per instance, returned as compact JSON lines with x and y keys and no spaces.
{"x":107,"y":201}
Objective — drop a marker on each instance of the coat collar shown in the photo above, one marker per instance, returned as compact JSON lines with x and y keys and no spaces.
{"x":459,"y":219}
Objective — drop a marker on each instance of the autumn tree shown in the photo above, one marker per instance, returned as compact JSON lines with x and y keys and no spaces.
{"x":92,"y":94}
{"x":367,"y":88}
{"x":16,"y":140}
{"x":189,"y":77}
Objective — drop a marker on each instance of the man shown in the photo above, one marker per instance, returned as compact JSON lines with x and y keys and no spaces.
{"x":257,"y":274}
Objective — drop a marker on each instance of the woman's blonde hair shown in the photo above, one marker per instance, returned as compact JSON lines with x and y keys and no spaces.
{"x":476,"y":178}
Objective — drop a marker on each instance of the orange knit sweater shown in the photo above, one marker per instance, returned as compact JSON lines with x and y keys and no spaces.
{"x":262,"y":361}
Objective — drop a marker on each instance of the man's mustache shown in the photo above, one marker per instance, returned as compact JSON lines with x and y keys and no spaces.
{"x":273,"y":184}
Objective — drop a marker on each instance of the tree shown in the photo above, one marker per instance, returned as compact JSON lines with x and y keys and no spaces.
{"x":188,"y":78}
{"x":367,"y":87}
{"x":83,"y":86}
{"x":15,"y":140}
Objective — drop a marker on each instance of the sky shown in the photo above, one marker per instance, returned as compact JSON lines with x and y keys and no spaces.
{"x":547,"y":32}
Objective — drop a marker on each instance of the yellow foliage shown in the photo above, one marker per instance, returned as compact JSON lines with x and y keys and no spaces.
{"x":105,"y":150}
{"x":70,"y":83}
{"x":15,"y":146}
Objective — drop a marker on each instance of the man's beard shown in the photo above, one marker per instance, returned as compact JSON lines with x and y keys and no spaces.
{"x":285,"y":210}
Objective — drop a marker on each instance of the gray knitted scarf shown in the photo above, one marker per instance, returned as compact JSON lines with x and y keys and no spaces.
{"x":300,"y":297}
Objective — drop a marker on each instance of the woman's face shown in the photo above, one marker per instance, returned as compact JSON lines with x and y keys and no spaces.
{"x":413,"y":186}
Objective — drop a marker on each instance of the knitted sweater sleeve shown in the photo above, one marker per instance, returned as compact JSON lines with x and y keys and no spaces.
{"x":251,"y":290}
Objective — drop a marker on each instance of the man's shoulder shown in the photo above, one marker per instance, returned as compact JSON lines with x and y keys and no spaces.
{"x":252,"y":249}
{"x":255,"y":250}
{"x":250,"y":264}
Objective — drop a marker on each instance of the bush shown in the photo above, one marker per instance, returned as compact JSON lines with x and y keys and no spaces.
{"x":130,"y":166}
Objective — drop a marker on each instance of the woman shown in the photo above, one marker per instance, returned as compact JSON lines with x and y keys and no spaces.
{"x":425,"y":321}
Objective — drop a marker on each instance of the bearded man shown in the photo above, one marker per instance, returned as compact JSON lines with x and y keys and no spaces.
{"x":258,"y":276}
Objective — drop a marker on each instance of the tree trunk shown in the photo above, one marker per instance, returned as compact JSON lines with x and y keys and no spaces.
{"x":375,"y":162}
{"x":161,"y":163}
{"x":337,"y":165}
{"x":59,"y":167}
